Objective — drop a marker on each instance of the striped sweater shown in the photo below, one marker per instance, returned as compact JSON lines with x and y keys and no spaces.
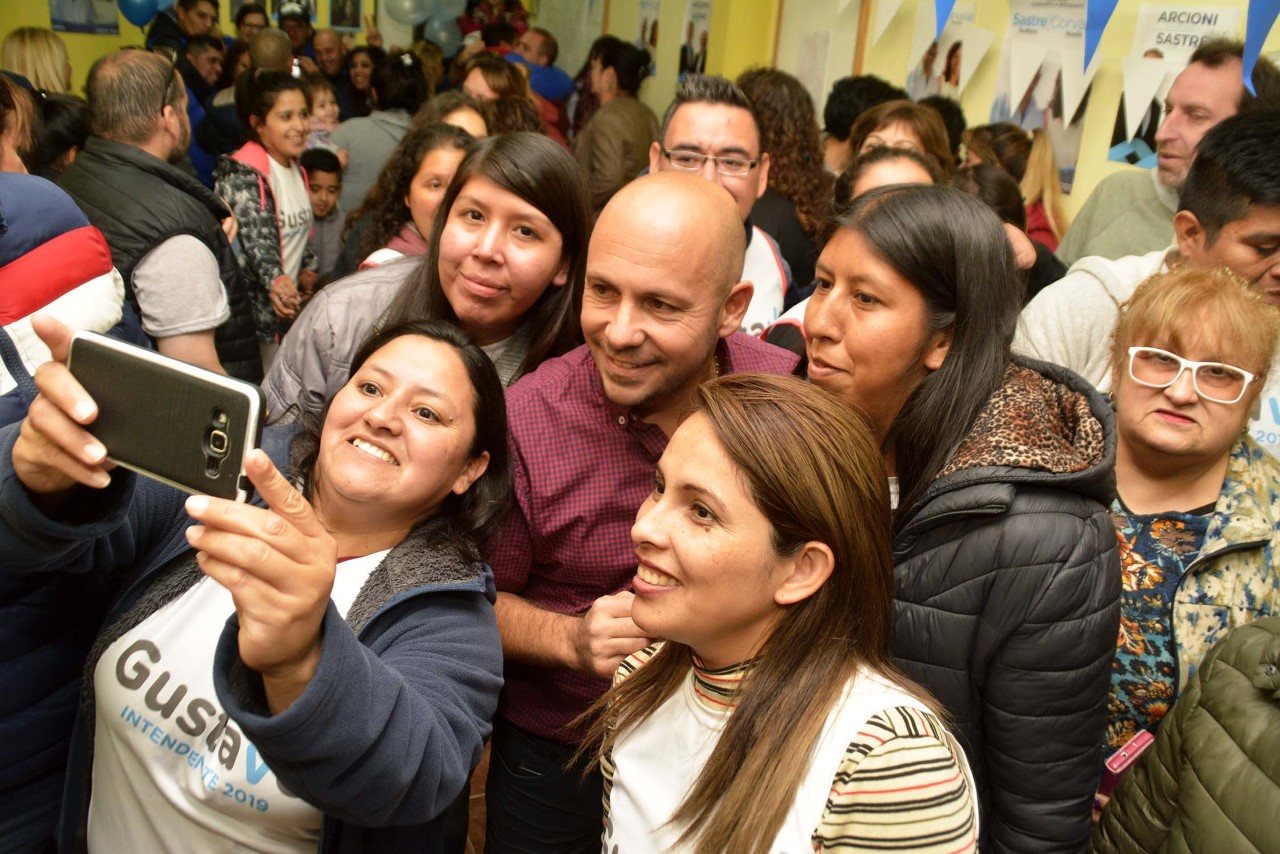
{"x":899,"y":784}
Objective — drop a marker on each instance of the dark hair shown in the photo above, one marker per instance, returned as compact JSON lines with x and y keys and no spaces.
{"x":1216,"y":51}
{"x":249,"y":9}
{"x":709,"y":89}
{"x":200,"y":45}
{"x":629,"y":63}
{"x":1235,"y":167}
{"x":188,"y":5}
{"x":924,"y":122}
{"x":996,"y":188}
{"x":443,"y":104}
{"x":320,"y":160}
{"x":880,"y":154}
{"x":399,"y":84}
{"x":1009,"y":144}
{"x":946,"y":64}
{"x":65,"y":126}
{"x":498,"y":33}
{"x":546,"y":176}
{"x":235,"y":50}
{"x":384,"y":206}
{"x":852,"y":96}
{"x":464,"y":521}
{"x":789,"y":132}
{"x":511,"y":113}
{"x":360,"y":101}
{"x":952,"y":118}
{"x":257,"y":92}
{"x":953,"y":250}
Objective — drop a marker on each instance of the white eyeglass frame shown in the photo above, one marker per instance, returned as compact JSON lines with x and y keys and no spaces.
{"x":1183,"y":366}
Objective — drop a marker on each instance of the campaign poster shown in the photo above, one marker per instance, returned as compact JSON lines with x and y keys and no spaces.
{"x":647,"y":39}
{"x":84,"y":16}
{"x":1042,"y":83}
{"x":693,"y":50}
{"x":945,"y":65}
{"x":1163,"y":41}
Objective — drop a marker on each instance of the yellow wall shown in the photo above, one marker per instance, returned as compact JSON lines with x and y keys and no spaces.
{"x":742,"y":33}
{"x":84,"y":48}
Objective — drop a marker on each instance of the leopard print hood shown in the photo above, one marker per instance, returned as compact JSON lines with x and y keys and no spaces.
{"x":1043,"y":425}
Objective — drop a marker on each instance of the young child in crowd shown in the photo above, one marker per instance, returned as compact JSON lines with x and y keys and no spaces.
{"x":324,"y":183}
{"x":324,"y":116}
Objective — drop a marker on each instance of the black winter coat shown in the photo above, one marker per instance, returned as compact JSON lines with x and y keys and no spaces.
{"x":1007,"y":603}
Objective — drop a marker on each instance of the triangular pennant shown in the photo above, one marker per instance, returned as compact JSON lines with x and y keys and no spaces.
{"x":941,"y":12}
{"x":886,"y":11}
{"x":977,"y":42}
{"x":1025,"y":58}
{"x":1075,"y":80}
{"x":1096,"y":15}
{"x":1262,"y":15}
{"x":1142,"y":80}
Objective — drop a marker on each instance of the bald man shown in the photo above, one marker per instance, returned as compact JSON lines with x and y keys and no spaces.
{"x":331,"y":59}
{"x":661,"y":309}
{"x":219,"y":131}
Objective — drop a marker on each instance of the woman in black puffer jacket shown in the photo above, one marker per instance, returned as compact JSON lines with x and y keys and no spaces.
{"x":1007,"y":582}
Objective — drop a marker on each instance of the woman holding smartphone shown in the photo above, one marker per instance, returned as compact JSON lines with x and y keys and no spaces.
{"x":505,"y":261}
{"x":1007,"y":584}
{"x":264,"y":186}
{"x":317,"y":668}
{"x":764,"y":561}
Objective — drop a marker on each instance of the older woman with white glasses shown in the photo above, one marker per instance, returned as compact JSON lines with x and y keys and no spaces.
{"x":1198,"y":505}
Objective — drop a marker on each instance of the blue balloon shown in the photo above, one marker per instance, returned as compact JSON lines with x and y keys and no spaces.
{"x":138,"y":12}
{"x":444,"y":32}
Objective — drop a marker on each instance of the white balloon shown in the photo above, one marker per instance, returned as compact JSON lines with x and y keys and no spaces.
{"x":409,"y":12}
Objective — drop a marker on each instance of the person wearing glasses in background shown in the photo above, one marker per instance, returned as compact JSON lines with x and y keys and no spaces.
{"x":711,"y":129}
{"x":1198,"y":506}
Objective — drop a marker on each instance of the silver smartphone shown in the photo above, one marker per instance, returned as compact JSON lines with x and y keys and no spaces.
{"x":185,"y":426}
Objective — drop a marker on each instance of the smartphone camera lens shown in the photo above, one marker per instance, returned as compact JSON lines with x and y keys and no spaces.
{"x":218,"y":442}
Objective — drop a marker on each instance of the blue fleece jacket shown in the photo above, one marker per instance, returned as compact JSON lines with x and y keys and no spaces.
{"x":389,"y":729}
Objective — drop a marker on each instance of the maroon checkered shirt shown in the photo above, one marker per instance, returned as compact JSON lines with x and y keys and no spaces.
{"x":582,"y":467}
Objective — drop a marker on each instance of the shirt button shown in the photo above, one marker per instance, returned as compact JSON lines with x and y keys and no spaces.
{"x":622,"y":419}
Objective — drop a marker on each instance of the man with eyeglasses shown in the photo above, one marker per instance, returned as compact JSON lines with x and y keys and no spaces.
{"x":711,"y":129}
{"x":1197,"y":510}
{"x":1229,"y":216}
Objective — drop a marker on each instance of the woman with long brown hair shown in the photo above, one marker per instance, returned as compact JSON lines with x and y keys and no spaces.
{"x":764,"y":559}
{"x":798,"y":198}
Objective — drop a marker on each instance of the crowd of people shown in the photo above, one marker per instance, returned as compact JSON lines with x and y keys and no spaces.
{"x":742,"y":478}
